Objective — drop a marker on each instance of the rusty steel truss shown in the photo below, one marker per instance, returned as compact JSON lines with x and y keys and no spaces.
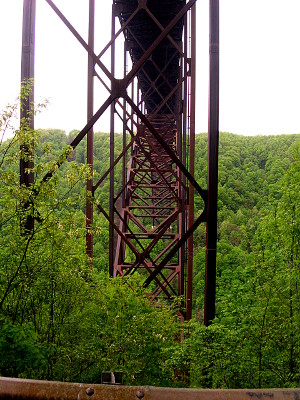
{"x":151,"y":207}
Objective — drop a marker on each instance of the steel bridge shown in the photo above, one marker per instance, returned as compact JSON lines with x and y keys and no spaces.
{"x":151,"y":210}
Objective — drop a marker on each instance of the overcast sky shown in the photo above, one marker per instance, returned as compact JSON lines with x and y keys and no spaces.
{"x":259,"y":63}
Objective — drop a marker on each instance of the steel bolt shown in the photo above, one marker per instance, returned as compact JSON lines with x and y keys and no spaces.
{"x":140,"y":394}
{"x":90,"y":391}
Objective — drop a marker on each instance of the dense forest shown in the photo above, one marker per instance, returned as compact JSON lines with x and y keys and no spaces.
{"x":62,"y":320}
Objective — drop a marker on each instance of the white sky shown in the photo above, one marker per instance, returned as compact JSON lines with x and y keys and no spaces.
{"x":259,"y":63}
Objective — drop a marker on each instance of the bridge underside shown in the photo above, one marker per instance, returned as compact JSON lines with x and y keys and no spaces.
{"x":151,"y":208}
{"x":152,"y":217}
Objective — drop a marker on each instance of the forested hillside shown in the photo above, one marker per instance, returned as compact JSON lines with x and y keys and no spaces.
{"x":62,"y":320}
{"x":255,"y":338}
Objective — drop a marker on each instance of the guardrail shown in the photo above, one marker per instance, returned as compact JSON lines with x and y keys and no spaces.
{"x":25,"y":389}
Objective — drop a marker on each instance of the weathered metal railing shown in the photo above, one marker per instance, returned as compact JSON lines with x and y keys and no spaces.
{"x":11,"y":388}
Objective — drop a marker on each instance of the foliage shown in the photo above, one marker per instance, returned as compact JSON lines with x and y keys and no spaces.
{"x":62,"y":320}
{"x":59,"y":319}
{"x":254,"y":340}
{"x":116,"y":330}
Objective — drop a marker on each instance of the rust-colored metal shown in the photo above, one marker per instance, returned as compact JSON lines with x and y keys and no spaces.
{"x":150,"y":204}
{"x":26,"y":112}
{"x":90,"y":134}
{"x":190,"y":243}
{"x":151,"y":209}
{"x":112,"y":149}
{"x":24,"y":389}
{"x":212,"y":168}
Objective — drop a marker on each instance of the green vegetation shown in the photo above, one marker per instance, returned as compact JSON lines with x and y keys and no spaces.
{"x":255,"y":338}
{"x":62,"y":320}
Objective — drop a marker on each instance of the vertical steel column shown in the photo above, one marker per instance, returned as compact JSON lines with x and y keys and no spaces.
{"x":189,"y":288}
{"x":90,"y":134}
{"x":212,"y":169}
{"x":112,"y":152}
{"x":179,"y":123}
{"x":27,"y":72}
{"x":183,"y":145}
{"x":124,"y":128}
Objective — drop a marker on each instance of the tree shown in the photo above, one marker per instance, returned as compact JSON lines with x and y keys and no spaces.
{"x":59,"y":319}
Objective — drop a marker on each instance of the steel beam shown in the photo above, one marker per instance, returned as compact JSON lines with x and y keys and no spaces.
{"x":26,"y":112}
{"x":112,"y":149}
{"x":190,"y":243}
{"x":212,"y":168}
{"x":90,"y":134}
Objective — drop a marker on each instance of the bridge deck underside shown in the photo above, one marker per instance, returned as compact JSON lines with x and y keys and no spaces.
{"x":152,"y":214}
{"x":161,"y":72}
